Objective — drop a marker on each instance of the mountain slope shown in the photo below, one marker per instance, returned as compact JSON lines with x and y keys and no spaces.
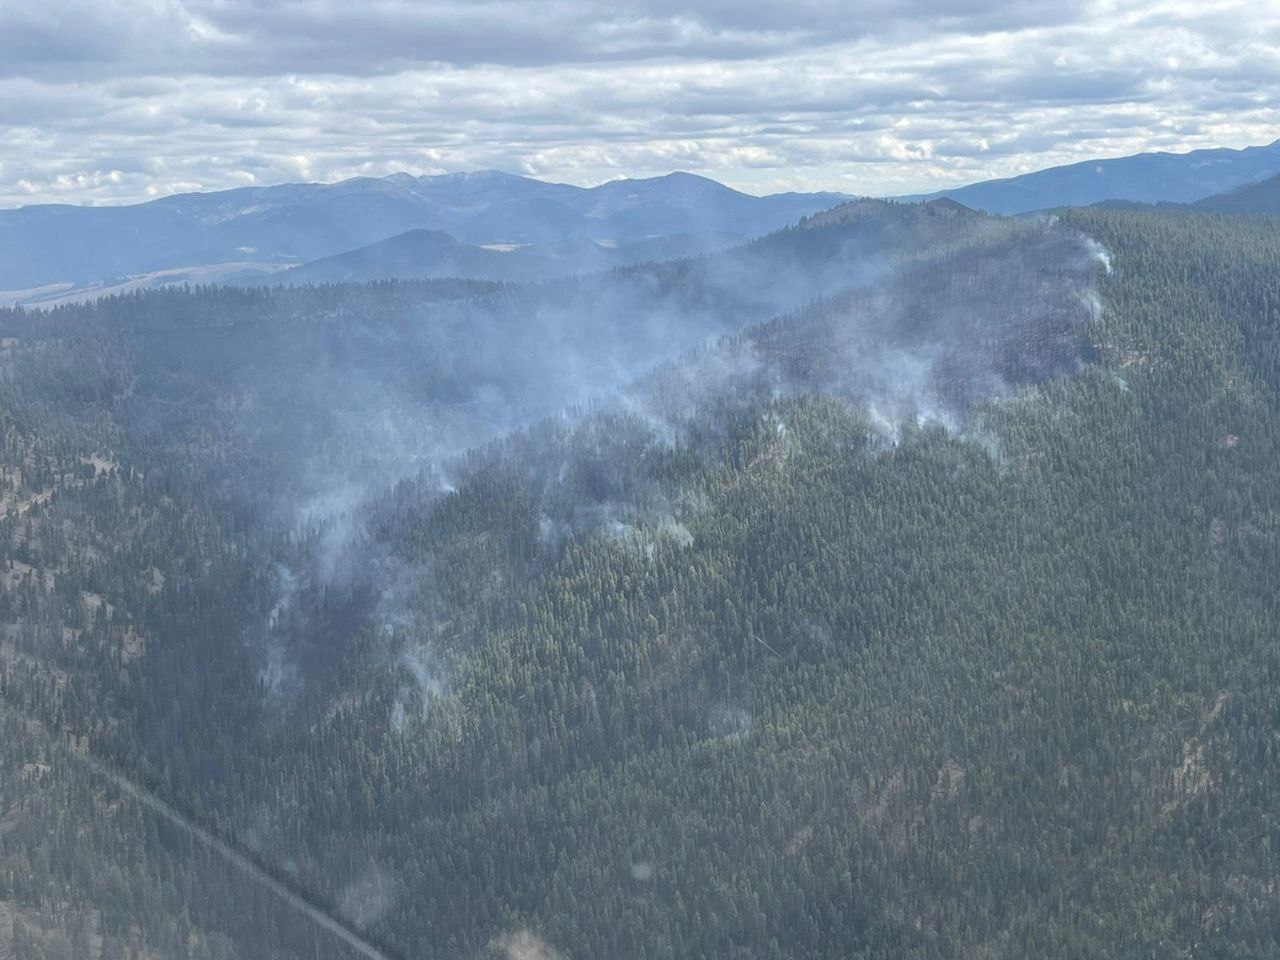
{"x":1144,"y":177}
{"x":1260,"y":197}
{"x":415,"y":254}
{"x":429,"y":254}
{"x":298,"y":222}
{"x":932,"y":618}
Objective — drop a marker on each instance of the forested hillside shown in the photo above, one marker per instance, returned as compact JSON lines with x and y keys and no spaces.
{"x":898,"y":586}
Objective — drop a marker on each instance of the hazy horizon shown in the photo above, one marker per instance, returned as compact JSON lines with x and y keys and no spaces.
{"x":588,"y":184}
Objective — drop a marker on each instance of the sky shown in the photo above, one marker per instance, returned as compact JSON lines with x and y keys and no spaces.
{"x":112,"y":101}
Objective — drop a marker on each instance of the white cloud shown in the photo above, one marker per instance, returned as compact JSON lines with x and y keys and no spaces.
{"x":123,"y":99}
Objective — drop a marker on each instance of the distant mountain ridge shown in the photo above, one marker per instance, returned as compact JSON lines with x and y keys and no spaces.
{"x":1260,"y":197}
{"x":294,"y":223}
{"x":1143,"y":178}
{"x":434,"y":254}
{"x":497,"y":225}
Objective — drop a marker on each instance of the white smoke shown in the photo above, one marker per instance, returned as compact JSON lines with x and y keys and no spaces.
{"x":367,"y":898}
{"x":525,"y":945}
{"x":1099,"y":253}
{"x":642,"y":871}
{"x":275,"y":671}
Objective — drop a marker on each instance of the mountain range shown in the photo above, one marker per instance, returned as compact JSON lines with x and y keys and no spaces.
{"x":294,"y":223}
{"x":1144,"y":178}
{"x":497,"y":226}
{"x":426,"y":254}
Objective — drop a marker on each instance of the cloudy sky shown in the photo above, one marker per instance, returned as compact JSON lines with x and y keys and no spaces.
{"x":119,"y":100}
